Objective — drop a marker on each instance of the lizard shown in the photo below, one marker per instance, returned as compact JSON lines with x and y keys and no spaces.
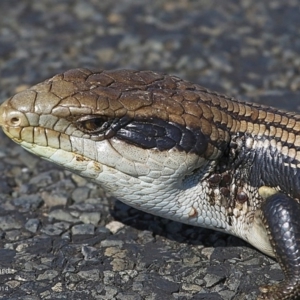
{"x":173,"y":149}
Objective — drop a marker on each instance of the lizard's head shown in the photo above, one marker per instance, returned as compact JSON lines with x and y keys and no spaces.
{"x":138,"y":134}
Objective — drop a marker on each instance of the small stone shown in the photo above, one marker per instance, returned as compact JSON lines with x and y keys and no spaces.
{"x":207,"y":251}
{"x":69,"y":268}
{"x":48,"y":275}
{"x":13,"y":235}
{"x":64,"y":185}
{"x":146,"y":236}
{"x":227,"y":294}
{"x":28,"y":202}
{"x":111,"y":292}
{"x":28,"y":266}
{"x":90,"y":218}
{"x":88,"y":252}
{"x":80,"y":194}
{"x":108,"y":277}
{"x":21,"y":247}
{"x":13,"y":283}
{"x":57,"y":287}
{"x":212,"y":279}
{"x":66,"y":236}
{"x":253,"y":262}
{"x":111,"y":251}
{"x":114,"y":226}
{"x":83,"y":229}
{"x":25,"y":277}
{"x":60,"y":214}
{"x":8,"y":223}
{"x":47,"y":260}
{"x":32,"y":225}
{"x":54,"y":199}
{"x":128,"y":296}
{"x":45,"y":295}
{"x":26,"y":189}
{"x":73,"y":278}
{"x":165,"y":285}
{"x":55,"y":229}
{"x":128,"y":274}
{"x":112,"y":243}
{"x":80,"y":181}
{"x":45,"y":179}
{"x":92,"y":275}
{"x":191,"y":287}
{"x":191,"y":260}
{"x":75,"y":214}
{"x":119,"y":264}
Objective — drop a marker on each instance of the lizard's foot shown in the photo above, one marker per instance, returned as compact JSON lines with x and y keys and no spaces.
{"x":281,"y":219}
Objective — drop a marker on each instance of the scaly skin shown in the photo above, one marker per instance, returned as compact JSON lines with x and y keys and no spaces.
{"x":174,"y":149}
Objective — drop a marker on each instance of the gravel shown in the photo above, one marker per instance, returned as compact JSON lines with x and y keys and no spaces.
{"x":58,"y":236}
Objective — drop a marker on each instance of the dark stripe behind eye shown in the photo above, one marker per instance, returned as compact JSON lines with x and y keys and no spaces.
{"x":157,"y":133}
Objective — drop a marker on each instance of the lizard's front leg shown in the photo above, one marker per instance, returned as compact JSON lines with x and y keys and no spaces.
{"x":281,"y":216}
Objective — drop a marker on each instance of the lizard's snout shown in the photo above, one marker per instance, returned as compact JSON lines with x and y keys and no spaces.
{"x":11,"y":120}
{"x":10,"y":117}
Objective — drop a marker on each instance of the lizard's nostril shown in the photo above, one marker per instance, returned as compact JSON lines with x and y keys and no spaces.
{"x":10,"y":117}
{"x":14,"y":118}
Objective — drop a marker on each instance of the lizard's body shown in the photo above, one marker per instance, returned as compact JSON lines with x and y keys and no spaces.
{"x":173,"y":149}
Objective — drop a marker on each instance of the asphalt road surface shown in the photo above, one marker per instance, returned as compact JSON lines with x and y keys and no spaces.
{"x":62,"y":237}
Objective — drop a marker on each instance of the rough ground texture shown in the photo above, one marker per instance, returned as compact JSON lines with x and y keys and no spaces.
{"x":61,"y":237}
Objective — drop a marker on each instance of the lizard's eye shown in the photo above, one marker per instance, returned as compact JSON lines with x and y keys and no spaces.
{"x":93,"y":124}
